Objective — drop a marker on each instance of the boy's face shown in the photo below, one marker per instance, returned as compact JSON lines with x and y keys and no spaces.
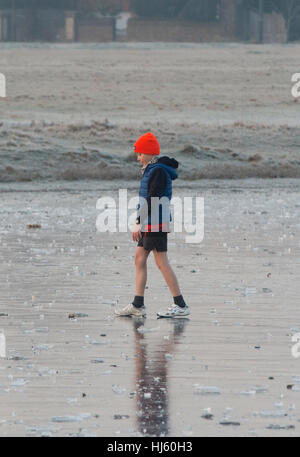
{"x":144,"y":159}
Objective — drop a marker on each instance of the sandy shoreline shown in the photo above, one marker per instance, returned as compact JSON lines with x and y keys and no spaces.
{"x":232,"y":359}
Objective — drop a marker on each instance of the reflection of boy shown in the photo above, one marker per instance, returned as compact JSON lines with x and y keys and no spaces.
{"x":151,"y":376}
{"x":152,"y":226}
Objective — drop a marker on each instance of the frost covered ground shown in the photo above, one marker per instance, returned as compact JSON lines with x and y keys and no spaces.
{"x":74,"y":111}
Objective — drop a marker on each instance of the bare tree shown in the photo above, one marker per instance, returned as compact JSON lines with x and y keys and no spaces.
{"x":158,"y":8}
{"x":196,"y":10}
{"x":290,"y":10}
{"x":201,"y":10}
{"x":104,"y":7}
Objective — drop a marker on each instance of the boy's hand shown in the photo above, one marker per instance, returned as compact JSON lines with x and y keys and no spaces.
{"x":136,"y":232}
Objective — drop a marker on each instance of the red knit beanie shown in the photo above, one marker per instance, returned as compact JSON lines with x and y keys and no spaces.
{"x":147,"y":144}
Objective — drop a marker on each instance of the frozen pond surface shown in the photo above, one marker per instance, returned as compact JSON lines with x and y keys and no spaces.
{"x":72,"y":369}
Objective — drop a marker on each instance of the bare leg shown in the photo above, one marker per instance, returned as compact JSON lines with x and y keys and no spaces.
{"x":141,"y":257}
{"x":162,"y":262}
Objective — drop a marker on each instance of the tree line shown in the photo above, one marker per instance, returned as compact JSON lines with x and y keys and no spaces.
{"x":203,"y":10}
{"x":206,"y":10}
{"x":196,"y":10}
{"x":289,"y":9}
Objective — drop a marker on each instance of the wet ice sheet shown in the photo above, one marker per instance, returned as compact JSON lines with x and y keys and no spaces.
{"x":100,"y":376}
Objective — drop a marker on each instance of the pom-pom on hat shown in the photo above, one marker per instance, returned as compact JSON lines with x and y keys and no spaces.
{"x":147,"y":144}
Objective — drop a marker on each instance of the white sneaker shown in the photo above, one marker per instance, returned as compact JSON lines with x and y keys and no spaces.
{"x":131,"y":310}
{"x":175,"y":311}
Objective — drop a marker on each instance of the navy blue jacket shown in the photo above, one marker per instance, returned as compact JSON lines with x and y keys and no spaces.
{"x":157,"y":182}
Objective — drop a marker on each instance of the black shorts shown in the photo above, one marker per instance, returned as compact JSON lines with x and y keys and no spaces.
{"x":154,"y":240}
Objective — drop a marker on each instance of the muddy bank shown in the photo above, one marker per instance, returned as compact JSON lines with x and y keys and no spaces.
{"x":103,"y":150}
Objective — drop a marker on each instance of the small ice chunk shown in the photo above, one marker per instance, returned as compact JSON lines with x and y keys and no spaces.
{"x":97,"y":361}
{"x":207,"y":414}
{"x":230,"y":423}
{"x":44,"y":371}
{"x":72,"y":401}
{"x":79,"y":418}
{"x":248,"y":392}
{"x":295,"y":388}
{"x":296,"y":379}
{"x":250,"y":290}
{"x":278,"y":404}
{"x":266,"y":290}
{"x":19,"y":382}
{"x":77,"y":315}
{"x":42,"y":330}
{"x":2,"y":345}
{"x":276,"y":413}
{"x":142,"y":329}
{"x":280,"y":427}
{"x":168,"y":356}
{"x":42,"y":347}
{"x":118,"y":389}
{"x":97,"y":343}
{"x":206,"y":390}
{"x":41,"y":431}
{"x":260,"y":389}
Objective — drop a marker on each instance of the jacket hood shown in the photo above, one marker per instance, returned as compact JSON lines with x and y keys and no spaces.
{"x":169,"y":165}
{"x":169,"y":162}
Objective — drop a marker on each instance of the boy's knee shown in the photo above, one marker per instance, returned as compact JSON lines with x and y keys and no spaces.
{"x":140,"y":261}
{"x":159,"y":265}
{"x":159,"y":262}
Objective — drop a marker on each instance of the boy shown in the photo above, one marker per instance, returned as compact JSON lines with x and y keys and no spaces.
{"x":152,"y":224}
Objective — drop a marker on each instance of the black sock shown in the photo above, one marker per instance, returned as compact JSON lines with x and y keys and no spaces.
{"x":179,"y":301}
{"x":138,"y":302}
